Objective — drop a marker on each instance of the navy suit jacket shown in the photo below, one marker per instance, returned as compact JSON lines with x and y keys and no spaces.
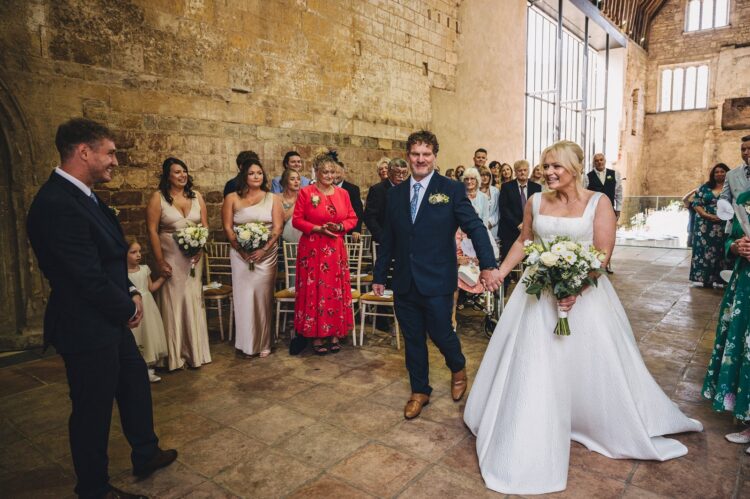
{"x":511,"y":214}
{"x":425,"y":251}
{"x":355,"y":197}
{"x":82,"y":252}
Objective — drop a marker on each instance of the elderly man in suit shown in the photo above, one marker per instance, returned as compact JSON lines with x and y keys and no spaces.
{"x":422,"y":216}
{"x":398,"y":170}
{"x":82,"y":252}
{"x":513,"y":196}
{"x":607,"y":181}
{"x":738,"y":180}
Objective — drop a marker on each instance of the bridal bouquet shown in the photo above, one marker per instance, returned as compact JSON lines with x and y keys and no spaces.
{"x":561,"y":267}
{"x":191,"y":241}
{"x":252,"y":236}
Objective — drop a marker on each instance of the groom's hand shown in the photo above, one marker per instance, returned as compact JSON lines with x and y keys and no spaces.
{"x":378,"y":289}
{"x":491,"y":279}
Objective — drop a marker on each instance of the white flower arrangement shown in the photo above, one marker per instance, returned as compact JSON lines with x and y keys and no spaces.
{"x":191,"y":240}
{"x":563,"y":268}
{"x":438,"y":198}
{"x":252,"y":236}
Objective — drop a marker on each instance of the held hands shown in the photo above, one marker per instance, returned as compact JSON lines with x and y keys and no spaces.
{"x":378,"y":289}
{"x":196,"y":258}
{"x":565,"y":304}
{"x":327,"y":230}
{"x":136,"y":319}
{"x":256,"y":255}
{"x":743,"y":247}
{"x":165,"y":269}
{"x":492,"y":279}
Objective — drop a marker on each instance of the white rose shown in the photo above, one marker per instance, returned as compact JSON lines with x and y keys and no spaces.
{"x":549,"y":259}
{"x":533,"y":258}
{"x":245,"y":234}
{"x":181,"y":241}
{"x":571,"y":246}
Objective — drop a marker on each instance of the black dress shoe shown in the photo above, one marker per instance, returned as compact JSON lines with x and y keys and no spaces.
{"x":161,"y":459}
{"x":120,"y":494}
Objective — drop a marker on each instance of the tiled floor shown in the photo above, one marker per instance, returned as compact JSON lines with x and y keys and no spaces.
{"x":332,"y":427}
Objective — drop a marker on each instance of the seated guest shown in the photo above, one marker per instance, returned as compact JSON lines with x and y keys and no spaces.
{"x":383,"y":168}
{"x":171,"y":208}
{"x":374,"y":216}
{"x":355,"y":197}
{"x":292,"y":160}
{"x":506,"y":173}
{"x":231,"y":185}
{"x":450,"y":173}
{"x":493,"y":193}
{"x":512,"y":201}
{"x":479,"y":200}
{"x":323,"y":305}
{"x":253,"y":273}
{"x":290,"y":182}
{"x":708,"y":234}
{"x":727,"y":383}
{"x":462,"y":258}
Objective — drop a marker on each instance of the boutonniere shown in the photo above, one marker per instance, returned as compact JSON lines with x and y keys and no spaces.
{"x":609,"y":177}
{"x":115,"y":211}
{"x":438,"y":198}
{"x":315,"y":200}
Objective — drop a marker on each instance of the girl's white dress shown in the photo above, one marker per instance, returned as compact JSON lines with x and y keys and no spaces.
{"x":535,"y":391}
{"x":149,"y":335}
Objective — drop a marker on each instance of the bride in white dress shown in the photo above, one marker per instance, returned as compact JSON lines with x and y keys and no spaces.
{"x":535,"y":391}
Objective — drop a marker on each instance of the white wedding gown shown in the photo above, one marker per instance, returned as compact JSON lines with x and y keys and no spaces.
{"x":535,"y":391}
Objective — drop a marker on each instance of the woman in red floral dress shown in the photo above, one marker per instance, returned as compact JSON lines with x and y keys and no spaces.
{"x":324,"y":213}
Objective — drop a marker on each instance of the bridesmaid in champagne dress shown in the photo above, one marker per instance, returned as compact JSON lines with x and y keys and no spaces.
{"x":253,"y":289}
{"x":173,"y":207}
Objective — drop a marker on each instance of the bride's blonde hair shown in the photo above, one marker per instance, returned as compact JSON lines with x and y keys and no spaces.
{"x":570,"y":156}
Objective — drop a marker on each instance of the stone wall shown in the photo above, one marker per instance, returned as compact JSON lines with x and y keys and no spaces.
{"x":202,"y":80}
{"x":681,"y":147}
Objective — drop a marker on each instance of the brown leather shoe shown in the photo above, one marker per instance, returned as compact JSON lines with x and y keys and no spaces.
{"x":161,"y":459}
{"x":414,"y":405}
{"x":121,"y":494}
{"x":458,"y":385}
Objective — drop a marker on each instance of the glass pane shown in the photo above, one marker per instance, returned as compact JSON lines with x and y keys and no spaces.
{"x":666,"y":90}
{"x":707,"y":20}
{"x":690,"y":74}
{"x":693,"y":15}
{"x":701,"y":92}
{"x":678,"y":79}
{"x":722,"y":13}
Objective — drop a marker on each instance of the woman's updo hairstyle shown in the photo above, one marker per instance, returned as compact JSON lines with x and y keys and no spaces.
{"x":569,"y":155}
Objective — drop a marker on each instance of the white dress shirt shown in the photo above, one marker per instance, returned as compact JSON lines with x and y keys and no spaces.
{"x":424,"y":183}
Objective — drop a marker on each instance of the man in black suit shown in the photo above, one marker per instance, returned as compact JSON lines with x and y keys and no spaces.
{"x":355,"y":197}
{"x":422,"y":216}
{"x":513,"y":197}
{"x":608,"y":181}
{"x":374,"y":217}
{"x":82,"y":252}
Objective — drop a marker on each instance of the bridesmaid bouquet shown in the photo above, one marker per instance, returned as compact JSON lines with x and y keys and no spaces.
{"x":563,"y":268}
{"x":191,"y":241}
{"x":252,"y":236}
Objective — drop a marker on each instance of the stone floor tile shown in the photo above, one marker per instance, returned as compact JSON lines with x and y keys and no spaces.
{"x":275,"y":388}
{"x":184,"y":428}
{"x":462,"y":457}
{"x":379,"y":470}
{"x":272,"y":474}
{"x":321,"y":445}
{"x":442,"y":482}
{"x":48,"y":481}
{"x":219,"y":451}
{"x":633,"y":492}
{"x":14,"y":381}
{"x":209,"y":490}
{"x":320,"y":400}
{"x":274,"y":424}
{"x":619,"y":469}
{"x":366,"y":417}
{"x":327,"y":487}
{"x":174,"y":481}
{"x":682,"y":478}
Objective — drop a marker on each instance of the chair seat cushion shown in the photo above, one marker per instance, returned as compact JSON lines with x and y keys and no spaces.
{"x":224,"y":291}
{"x":373,"y":297}
{"x":285,"y":293}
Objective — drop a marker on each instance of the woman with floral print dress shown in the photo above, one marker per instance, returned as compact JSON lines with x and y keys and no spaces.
{"x":727,"y":382}
{"x":324,"y":213}
{"x":708,"y":231}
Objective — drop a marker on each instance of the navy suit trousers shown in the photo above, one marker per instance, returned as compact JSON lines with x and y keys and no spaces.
{"x":419,"y":315}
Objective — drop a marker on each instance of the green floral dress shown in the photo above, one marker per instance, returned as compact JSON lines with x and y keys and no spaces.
{"x":727,"y":382}
{"x":708,"y":240}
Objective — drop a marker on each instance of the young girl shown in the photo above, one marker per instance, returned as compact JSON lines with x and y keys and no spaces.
{"x":149,"y":335}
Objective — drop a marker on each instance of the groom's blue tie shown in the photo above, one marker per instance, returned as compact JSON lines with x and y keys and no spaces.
{"x":415,"y":201}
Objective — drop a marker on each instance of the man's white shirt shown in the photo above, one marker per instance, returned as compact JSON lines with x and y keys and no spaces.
{"x":424,"y":183}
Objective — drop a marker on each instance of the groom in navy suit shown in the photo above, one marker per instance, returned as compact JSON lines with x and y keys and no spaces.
{"x":422,"y":216}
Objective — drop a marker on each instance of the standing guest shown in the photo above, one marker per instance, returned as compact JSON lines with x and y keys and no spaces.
{"x":171,"y":208}
{"x":292,"y":160}
{"x":480,"y":158}
{"x":608,"y":181}
{"x":738,"y":180}
{"x":493,"y":194}
{"x":383,"y":168}
{"x":253,"y":288}
{"x":479,"y":200}
{"x":708,"y":233}
{"x":355,"y":197}
{"x":231,"y":185}
{"x":291,"y":181}
{"x":727,"y":382}
{"x":495,"y":170}
{"x":422,"y":216}
{"x":512,"y":201}
{"x":460,"y":173}
{"x":450,"y":173}
{"x":536,"y":174}
{"x":81,"y":251}
{"x":149,"y":334}
{"x":398,"y":170}
{"x":506,"y":173}
{"x":687,"y":202}
{"x":323,"y":212}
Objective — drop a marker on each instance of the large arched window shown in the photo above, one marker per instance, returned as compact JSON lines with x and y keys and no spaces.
{"x":706,"y":14}
{"x":684,"y":87}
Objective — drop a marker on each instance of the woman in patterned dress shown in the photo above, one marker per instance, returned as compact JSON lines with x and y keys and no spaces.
{"x":708,"y":231}
{"x":324,"y":214}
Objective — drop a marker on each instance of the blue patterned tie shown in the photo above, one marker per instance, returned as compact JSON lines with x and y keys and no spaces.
{"x":415,"y":201}
{"x":92,"y":196}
